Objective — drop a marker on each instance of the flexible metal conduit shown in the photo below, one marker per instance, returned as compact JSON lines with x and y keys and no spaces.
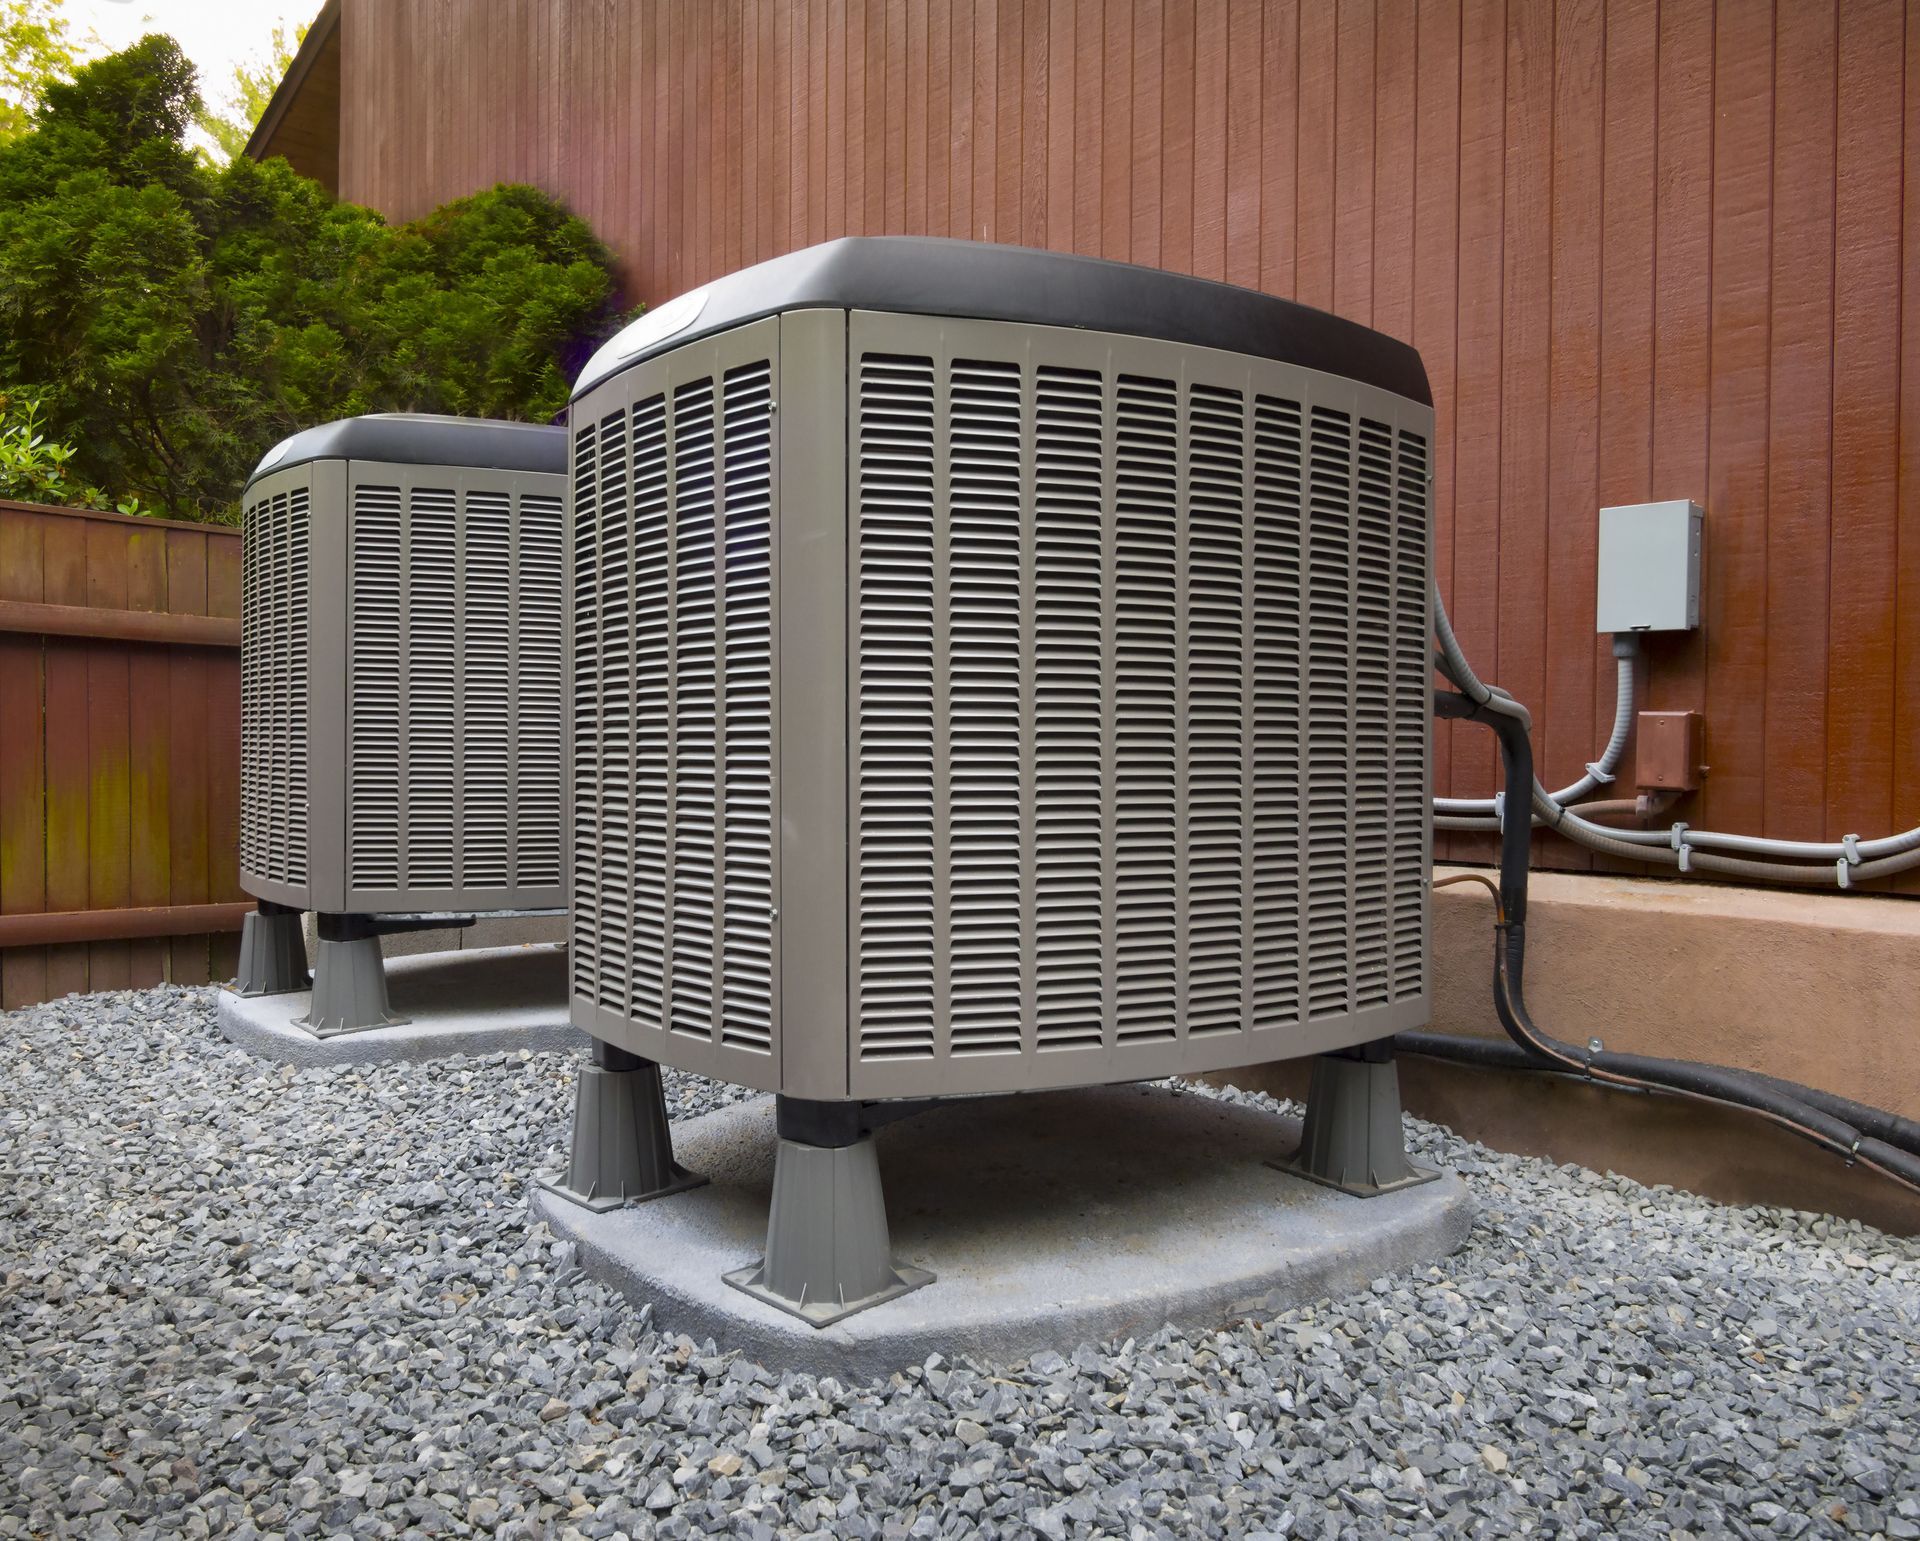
{"x":1483,"y":812}
{"x":1778,"y":1101}
{"x":1685,"y":849}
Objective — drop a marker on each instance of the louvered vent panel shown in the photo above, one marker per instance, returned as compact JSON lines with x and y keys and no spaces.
{"x":746,"y":796}
{"x":589,"y":618}
{"x":486,"y":693}
{"x":1328,"y":792}
{"x":295,"y":664}
{"x":276,"y":556}
{"x":673,"y":706}
{"x":1412,"y":673}
{"x":253,"y":818}
{"x":1069,"y":1003}
{"x":1145,"y":726}
{"x":432,"y":662}
{"x":1275,"y":828}
{"x":1216,"y":750}
{"x":279,"y":728}
{"x":695,"y":696}
{"x":894,"y":586}
{"x":646,"y":903}
{"x":1138,"y":707}
{"x":983,"y":716}
{"x":538,"y":669}
{"x":376,"y":681}
{"x":1372,"y":713}
{"x":613,"y":541}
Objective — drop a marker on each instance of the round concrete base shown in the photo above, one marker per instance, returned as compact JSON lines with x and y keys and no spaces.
{"x":1048,"y":1221}
{"x":487,"y":1000}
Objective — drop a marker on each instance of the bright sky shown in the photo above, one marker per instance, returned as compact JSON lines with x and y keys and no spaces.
{"x":216,"y":34}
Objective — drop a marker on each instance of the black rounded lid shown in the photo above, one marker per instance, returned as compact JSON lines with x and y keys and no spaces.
{"x":922,"y":275}
{"x":420,"y":438}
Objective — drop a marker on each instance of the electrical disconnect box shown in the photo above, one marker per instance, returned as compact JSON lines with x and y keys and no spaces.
{"x":1649,"y":567}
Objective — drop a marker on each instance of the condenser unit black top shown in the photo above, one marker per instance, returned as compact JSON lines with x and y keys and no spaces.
{"x":423,"y":439}
{"x":925,"y":276}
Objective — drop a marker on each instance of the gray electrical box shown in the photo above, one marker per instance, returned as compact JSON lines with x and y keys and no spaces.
{"x":1649,"y":567}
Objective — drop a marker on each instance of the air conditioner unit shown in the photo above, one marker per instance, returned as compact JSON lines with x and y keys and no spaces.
{"x":992,"y":670}
{"x":402,"y":732}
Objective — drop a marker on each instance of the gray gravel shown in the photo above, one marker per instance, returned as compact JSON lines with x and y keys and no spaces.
{"x":247,"y":1299}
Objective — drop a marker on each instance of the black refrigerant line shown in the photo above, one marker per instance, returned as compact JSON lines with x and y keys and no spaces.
{"x":1871,"y":1137}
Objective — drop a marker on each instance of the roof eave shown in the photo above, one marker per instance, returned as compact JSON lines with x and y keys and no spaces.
{"x":284,"y":94}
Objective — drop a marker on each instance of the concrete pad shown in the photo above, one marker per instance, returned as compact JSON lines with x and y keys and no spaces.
{"x":1048,"y":1220}
{"x":479,"y":1001}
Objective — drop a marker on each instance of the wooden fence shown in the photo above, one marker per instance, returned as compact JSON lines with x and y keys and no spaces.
{"x":119,"y":752}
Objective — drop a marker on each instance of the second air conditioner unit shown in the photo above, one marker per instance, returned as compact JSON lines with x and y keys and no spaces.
{"x":402,"y":697}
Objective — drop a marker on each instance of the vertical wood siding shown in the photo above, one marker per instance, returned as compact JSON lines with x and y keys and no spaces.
{"x":1648,"y":250}
{"x":119,"y":761}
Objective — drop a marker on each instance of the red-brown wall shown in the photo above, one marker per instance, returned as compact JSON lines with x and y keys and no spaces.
{"x":1647,"y":250}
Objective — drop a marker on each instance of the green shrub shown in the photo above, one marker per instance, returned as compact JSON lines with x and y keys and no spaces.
{"x":34,"y":468}
{"x":175,"y":319}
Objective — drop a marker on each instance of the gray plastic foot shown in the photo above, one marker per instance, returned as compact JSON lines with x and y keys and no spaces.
{"x":622,"y":1145}
{"x":349,"y":988}
{"x":828,"y":1251}
{"x":273,"y":953}
{"x":1352,"y":1139}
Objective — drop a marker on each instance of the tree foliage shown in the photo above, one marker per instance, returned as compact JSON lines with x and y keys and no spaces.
{"x":175,"y":319}
{"x":36,"y":469}
{"x":230,"y":125}
{"x":35,"y":51}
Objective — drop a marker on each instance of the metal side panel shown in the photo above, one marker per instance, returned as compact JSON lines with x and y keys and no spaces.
{"x":675,"y":685}
{"x":1137,"y":752}
{"x":327,"y":691}
{"x":278,"y":609}
{"x":812,"y":719}
{"x":453,"y":742}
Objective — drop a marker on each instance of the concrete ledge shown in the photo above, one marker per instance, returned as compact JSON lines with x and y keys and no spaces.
{"x":1817,"y":988}
{"x":480,"y":1001}
{"x":1048,"y":1221}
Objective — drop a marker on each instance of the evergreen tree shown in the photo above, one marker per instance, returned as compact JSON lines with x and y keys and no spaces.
{"x":174,"y":319}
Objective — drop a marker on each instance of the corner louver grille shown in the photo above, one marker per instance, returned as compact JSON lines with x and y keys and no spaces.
{"x":275,"y":561}
{"x":455,"y":652}
{"x":537,"y":670}
{"x":1138,"y":748}
{"x":376,"y":676}
{"x":673,"y":709}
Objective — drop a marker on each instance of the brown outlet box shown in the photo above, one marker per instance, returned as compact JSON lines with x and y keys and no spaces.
{"x":1668,"y":754}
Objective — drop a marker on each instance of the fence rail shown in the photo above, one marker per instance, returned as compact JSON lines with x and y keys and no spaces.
{"x":119,"y":751}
